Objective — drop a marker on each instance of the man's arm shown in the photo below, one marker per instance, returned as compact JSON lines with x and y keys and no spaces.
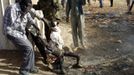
{"x":9,"y":19}
{"x":31,"y":21}
{"x":35,"y":14}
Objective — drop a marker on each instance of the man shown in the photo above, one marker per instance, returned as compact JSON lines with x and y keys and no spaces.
{"x":36,"y":41}
{"x":33,"y":13}
{"x":14,"y":23}
{"x":75,"y":7}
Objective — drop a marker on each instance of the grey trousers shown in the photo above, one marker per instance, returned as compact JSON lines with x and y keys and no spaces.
{"x":77,"y":30}
{"x":28,"y":53}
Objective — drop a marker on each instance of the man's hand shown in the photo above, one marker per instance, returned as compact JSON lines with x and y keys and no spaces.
{"x":45,"y":20}
{"x":37,"y":28}
{"x":38,"y":32}
{"x":22,"y":14}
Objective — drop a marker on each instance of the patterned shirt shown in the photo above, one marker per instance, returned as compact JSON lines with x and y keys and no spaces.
{"x":13,"y":24}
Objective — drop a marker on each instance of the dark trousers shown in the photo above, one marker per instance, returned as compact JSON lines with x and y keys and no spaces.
{"x":59,"y":62}
{"x":70,"y":54}
{"x":111,"y":3}
{"x":28,"y":53}
{"x":41,"y":45}
{"x":47,"y":32}
{"x":131,"y":6}
{"x":101,"y":3}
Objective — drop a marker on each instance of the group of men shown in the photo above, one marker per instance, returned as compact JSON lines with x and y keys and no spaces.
{"x":100,"y":1}
{"x":130,"y":4}
{"x":17,"y":17}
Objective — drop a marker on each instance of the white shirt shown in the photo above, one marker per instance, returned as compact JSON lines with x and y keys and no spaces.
{"x":56,"y":37}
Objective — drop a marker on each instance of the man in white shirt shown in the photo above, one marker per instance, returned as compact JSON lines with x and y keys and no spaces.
{"x":57,"y":44}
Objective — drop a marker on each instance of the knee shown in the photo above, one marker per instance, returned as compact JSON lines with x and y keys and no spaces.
{"x":29,"y":48}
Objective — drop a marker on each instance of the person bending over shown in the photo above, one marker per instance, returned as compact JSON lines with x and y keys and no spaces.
{"x":14,"y":23}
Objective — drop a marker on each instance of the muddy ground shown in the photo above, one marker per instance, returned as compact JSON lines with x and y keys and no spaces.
{"x":108,"y":38}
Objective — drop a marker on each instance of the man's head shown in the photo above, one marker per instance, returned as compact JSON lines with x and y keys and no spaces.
{"x":54,"y":24}
{"x":55,"y":27}
{"x":25,"y":5}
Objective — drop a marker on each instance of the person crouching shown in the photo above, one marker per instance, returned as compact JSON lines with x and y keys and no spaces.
{"x":57,"y":44}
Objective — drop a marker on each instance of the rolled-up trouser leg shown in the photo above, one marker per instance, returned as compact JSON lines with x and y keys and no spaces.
{"x":58,"y":64}
{"x":70,"y":54}
{"x":28,"y":53}
{"x":61,"y":60}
